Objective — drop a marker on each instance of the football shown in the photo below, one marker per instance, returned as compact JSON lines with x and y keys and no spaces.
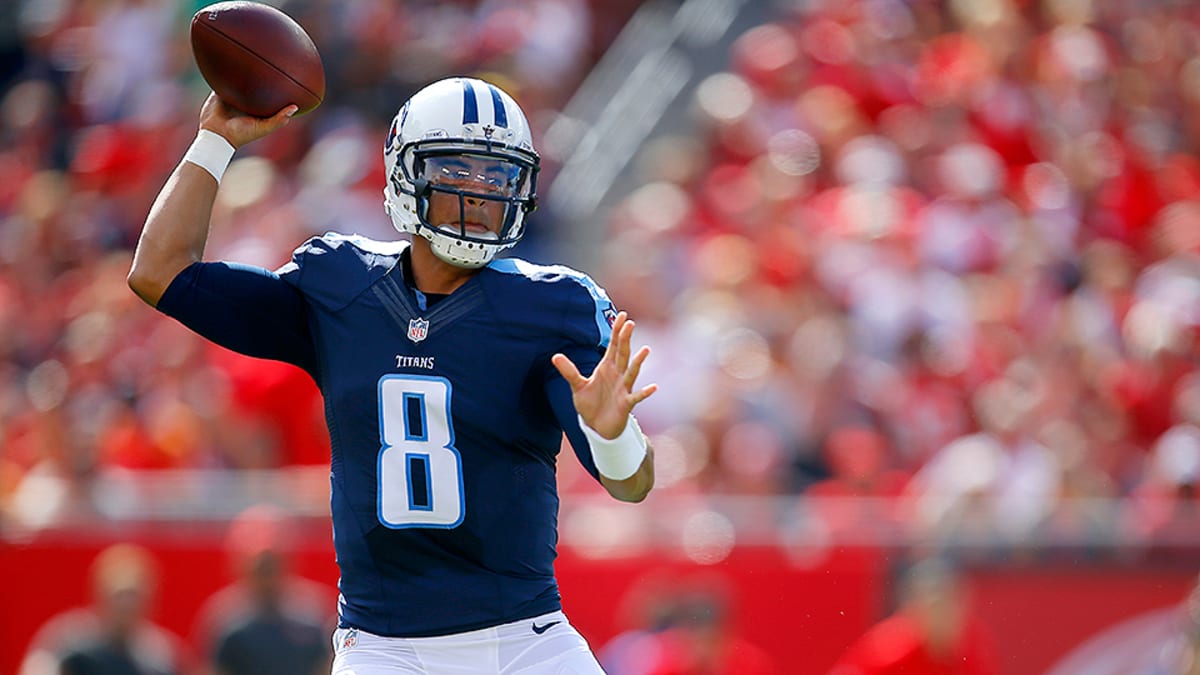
{"x":256,"y":58}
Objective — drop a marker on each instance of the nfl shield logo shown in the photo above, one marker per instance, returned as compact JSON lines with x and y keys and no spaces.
{"x":417,"y":329}
{"x":610,"y":315}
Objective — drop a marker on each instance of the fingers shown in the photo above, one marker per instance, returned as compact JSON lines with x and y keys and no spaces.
{"x":643,"y":393}
{"x":281,"y":118}
{"x":631,"y":376}
{"x":238,"y":127}
{"x":215,"y":108}
{"x":618,"y":323}
{"x":616,"y":363}
{"x":567,"y":369}
{"x":635,"y":367}
{"x":623,"y":345}
{"x":618,"y":345}
{"x":278,"y":120}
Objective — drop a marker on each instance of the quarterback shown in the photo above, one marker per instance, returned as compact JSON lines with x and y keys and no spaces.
{"x":449,"y":378}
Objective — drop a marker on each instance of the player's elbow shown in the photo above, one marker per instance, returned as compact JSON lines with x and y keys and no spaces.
{"x":146,"y":286}
{"x":149,"y":277}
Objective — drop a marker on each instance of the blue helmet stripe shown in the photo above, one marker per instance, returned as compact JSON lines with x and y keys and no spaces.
{"x":498,"y":108}
{"x":470,"y":106}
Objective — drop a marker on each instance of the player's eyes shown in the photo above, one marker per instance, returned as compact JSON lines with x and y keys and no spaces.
{"x":465,"y":174}
{"x":498,"y":178}
{"x":448,"y":172}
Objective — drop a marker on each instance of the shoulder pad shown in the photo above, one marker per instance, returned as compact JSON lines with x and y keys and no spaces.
{"x":333,"y":269}
{"x":585,"y":310}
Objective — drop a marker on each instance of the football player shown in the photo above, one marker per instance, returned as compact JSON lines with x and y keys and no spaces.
{"x":449,"y":378}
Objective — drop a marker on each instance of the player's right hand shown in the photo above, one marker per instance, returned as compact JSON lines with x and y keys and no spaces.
{"x":237,"y":127}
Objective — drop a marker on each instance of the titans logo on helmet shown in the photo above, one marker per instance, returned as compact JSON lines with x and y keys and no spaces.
{"x":389,"y":144}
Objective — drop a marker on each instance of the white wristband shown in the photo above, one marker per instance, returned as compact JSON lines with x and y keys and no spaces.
{"x":620,"y":457}
{"x":211,"y":152}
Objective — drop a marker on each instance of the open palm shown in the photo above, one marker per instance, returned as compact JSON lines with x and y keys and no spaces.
{"x":605,"y":399}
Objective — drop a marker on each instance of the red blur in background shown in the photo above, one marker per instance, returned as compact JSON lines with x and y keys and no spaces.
{"x":802,"y":615}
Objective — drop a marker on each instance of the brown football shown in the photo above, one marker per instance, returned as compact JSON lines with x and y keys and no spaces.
{"x":256,"y":58}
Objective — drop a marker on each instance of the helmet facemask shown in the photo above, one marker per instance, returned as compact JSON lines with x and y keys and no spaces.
{"x":470,"y":203}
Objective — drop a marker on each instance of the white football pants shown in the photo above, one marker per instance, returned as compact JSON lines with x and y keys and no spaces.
{"x":543,"y":645}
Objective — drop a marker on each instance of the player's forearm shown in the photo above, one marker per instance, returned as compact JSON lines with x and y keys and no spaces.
{"x":175,"y":232}
{"x":636,"y":487}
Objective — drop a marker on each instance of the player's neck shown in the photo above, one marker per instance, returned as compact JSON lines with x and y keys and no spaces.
{"x":431,"y":273}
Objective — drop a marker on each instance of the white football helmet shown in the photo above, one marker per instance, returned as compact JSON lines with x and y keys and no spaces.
{"x":451,"y":122}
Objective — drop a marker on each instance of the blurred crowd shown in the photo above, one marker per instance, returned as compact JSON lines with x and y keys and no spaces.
{"x":266,"y":621}
{"x":939,"y":250}
{"x":945,"y":250}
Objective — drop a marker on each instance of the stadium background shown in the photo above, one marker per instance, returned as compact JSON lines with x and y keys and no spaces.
{"x":921,"y":278}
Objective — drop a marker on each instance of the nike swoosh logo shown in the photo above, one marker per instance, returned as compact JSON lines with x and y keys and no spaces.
{"x":542,"y":629}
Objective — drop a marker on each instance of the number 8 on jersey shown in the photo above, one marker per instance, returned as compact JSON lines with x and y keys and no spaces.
{"x":420,"y":471}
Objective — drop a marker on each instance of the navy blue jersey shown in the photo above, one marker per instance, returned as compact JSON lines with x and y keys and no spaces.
{"x":445,"y":419}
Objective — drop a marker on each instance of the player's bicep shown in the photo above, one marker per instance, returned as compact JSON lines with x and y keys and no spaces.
{"x":248,"y":309}
{"x":558,"y":392}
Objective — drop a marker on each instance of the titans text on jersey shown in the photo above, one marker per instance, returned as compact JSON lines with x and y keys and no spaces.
{"x":405,"y":361}
{"x":443,"y":487}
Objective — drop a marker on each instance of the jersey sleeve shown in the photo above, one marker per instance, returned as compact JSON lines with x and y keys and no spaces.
{"x":558,"y":392}
{"x":248,"y":309}
{"x":590,"y":314}
{"x":587,"y":329}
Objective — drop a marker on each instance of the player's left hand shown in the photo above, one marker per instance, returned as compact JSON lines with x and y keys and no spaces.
{"x":605,"y":399}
